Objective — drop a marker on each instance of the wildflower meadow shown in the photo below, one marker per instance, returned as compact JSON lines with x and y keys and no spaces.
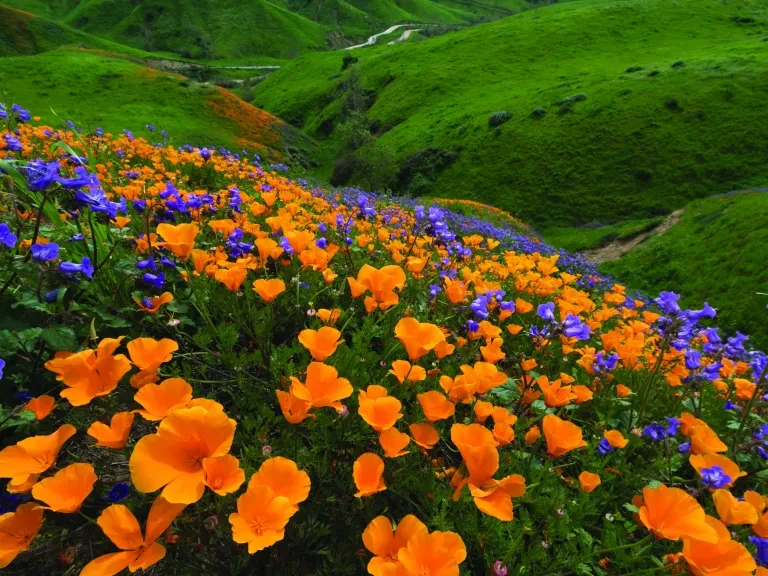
{"x":209,"y":367}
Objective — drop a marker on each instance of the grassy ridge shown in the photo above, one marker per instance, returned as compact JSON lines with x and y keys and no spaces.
{"x":64,"y":84}
{"x":641,"y":144}
{"x":716,"y":253}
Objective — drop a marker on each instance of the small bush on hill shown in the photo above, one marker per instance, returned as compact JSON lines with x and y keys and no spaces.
{"x":498,"y":118}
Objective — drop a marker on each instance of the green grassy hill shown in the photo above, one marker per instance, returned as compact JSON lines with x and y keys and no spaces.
{"x":97,"y":89}
{"x":24,"y":33}
{"x":717,"y":253}
{"x":216,"y":29}
{"x":666,"y":105}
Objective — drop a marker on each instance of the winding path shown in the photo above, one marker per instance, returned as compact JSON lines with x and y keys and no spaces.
{"x":372,"y":39}
{"x":405,"y":36}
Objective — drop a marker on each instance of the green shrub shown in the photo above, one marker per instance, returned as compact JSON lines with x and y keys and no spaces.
{"x":499,"y":118}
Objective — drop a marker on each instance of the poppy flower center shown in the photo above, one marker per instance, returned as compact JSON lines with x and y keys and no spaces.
{"x":258,"y":525}
{"x":45,"y":459}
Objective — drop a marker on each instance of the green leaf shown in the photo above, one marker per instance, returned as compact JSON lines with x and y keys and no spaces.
{"x":29,"y":337}
{"x":632,"y":508}
{"x":60,"y":337}
{"x":29,"y":300}
{"x":177,"y":306}
{"x":8,"y":343}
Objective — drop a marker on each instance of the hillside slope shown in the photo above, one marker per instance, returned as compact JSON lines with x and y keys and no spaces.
{"x":716,"y":253}
{"x":24,"y":33}
{"x":667,"y":105}
{"x":65,"y":84}
{"x":215,"y":29}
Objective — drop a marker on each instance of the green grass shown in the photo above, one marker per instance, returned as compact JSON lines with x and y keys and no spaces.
{"x":717,"y":253}
{"x":68,"y":84}
{"x":626,"y":152}
{"x":587,"y":238}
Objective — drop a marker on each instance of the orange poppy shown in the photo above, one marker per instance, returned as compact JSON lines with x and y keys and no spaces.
{"x":284,"y":478}
{"x":418,"y":338}
{"x":294,"y":409}
{"x":269,"y":289}
{"x":154,"y":303}
{"x":623,"y":391}
{"x":199,"y":260}
{"x":393,"y":442}
{"x":533,"y":434}
{"x":486,"y":375}
{"x":41,"y":406}
{"x":367,"y":473}
{"x":435,"y":405}
{"x":179,"y":239}
{"x":702,"y":461}
{"x":24,"y":486}
{"x":733,"y":511}
{"x":555,"y":394}
{"x":589,"y":481}
{"x":116,"y":434}
{"x":478,"y":449}
{"x":232,"y":278}
{"x":384,"y":543}
{"x":18,"y":529}
{"x":159,"y":399}
{"x":321,"y":343}
{"x":148,"y":354}
{"x":328,"y":317}
{"x":581,"y":394}
{"x":173,"y":457}
{"x":443,"y":349}
{"x":615,"y":439}
{"x":562,"y":436}
{"x":90,"y":373}
{"x":66,"y":490}
{"x":120,"y":525}
{"x":381,"y":413}
{"x":402,"y":370}
{"x":223,"y":474}
{"x":33,"y":455}
{"x":672,"y":513}
{"x":323,"y":387}
{"x":121,"y":222}
{"x":381,"y":283}
{"x":483,"y":410}
{"x":725,"y":557}
{"x":261,"y":518}
{"x":503,"y":433}
{"x":438,"y":554}
{"x":704,"y":440}
{"x":492,"y":351}
{"x":329,"y":275}
{"x":424,"y":435}
{"x":299,"y":239}
{"x":267,"y":249}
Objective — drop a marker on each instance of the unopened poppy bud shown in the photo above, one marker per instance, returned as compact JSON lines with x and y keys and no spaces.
{"x":266,"y":450}
{"x":343,"y":411}
{"x":499,"y":568}
{"x":210,"y":523}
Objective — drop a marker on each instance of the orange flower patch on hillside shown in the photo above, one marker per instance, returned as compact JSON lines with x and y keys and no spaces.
{"x":256,"y":128}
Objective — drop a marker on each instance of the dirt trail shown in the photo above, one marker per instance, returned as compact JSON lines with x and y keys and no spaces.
{"x":372,"y":39}
{"x":618,"y":248}
{"x":405,"y":36}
